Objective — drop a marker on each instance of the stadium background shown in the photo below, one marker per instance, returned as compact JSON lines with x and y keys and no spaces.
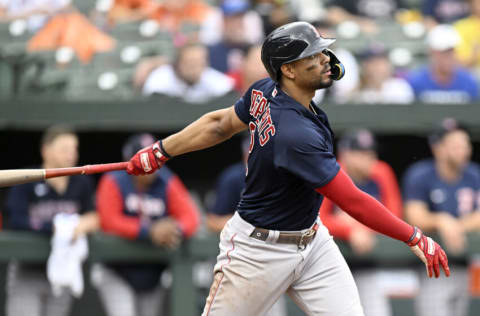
{"x":36,"y":92}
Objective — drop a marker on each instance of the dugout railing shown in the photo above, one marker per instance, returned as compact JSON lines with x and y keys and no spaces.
{"x":184,"y":300}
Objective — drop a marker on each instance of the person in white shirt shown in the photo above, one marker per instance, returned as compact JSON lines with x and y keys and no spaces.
{"x":189,"y":77}
{"x":35,"y":12}
{"x":378,"y":84}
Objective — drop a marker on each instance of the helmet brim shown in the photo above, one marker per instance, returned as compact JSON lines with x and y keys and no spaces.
{"x":317,"y":47}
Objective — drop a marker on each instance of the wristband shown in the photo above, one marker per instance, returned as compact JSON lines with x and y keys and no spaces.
{"x":164,"y":152}
{"x":415,"y":238}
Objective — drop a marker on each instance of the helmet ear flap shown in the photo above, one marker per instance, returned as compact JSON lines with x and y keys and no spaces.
{"x":336,"y":66}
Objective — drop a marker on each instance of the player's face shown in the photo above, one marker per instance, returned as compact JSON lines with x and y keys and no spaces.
{"x":457,"y":149}
{"x":313,"y":72}
{"x":62,"y":152}
{"x":145,"y":180}
{"x":359,"y":162}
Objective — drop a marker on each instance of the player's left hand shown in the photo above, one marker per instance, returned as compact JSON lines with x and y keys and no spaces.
{"x":147,"y":160}
{"x":429,"y":252}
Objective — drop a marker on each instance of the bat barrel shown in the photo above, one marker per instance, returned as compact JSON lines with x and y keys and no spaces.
{"x":20,"y":176}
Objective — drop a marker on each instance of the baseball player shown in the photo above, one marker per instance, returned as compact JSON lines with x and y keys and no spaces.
{"x":274,"y":242}
{"x":357,"y":155}
{"x":32,"y":207}
{"x":153,"y":207}
{"x":441,"y":194}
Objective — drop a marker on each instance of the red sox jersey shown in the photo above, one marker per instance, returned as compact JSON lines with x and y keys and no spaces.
{"x":290,"y":155}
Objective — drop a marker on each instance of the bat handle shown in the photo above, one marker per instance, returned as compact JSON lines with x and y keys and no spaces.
{"x":88,"y":169}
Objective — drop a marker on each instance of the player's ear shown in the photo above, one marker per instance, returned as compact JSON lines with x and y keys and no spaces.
{"x":288,"y":71}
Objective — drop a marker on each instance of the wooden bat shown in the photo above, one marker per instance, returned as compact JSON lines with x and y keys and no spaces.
{"x":19,"y":176}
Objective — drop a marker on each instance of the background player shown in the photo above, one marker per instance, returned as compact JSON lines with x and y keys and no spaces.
{"x":357,"y":154}
{"x":274,"y":243}
{"x":32,"y":207}
{"x":154,"y":207}
{"x":441,"y":195}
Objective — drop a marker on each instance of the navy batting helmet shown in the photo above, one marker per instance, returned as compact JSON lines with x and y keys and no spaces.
{"x":294,"y":41}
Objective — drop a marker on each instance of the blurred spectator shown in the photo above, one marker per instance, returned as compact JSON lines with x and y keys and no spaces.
{"x":36,"y":12}
{"x":365,"y":13}
{"x":341,"y":90}
{"x":251,"y":71}
{"x":227,"y":53}
{"x":468,"y":50}
{"x":130,"y":10}
{"x":441,"y":195}
{"x":357,"y":153}
{"x":32,"y":207}
{"x":229,"y":189}
{"x":378,"y":84}
{"x":72,"y":30}
{"x":443,"y":11}
{"x":155,"y":207}
{"x":443,"y":81}
{"x":235,"y":18}
{"x":341,"y":10}
{"x":275,"y":13}
{"x":189,"y":78}
{"x":186,"y":17}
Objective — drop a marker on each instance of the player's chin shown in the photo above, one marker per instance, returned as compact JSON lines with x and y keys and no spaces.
{"x":324,"y":83}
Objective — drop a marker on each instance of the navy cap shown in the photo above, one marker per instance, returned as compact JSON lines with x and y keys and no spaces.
{"x":360,"y":139}
{"x":446,"y":126}
{"x":233,"y":7}
{"x":136,"y":142}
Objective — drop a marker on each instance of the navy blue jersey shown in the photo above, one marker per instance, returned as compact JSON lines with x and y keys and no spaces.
{"x":422,"y":183}
{"x":291,"y":154}
{"x":229,"y":189}
{"x":32,"y":206}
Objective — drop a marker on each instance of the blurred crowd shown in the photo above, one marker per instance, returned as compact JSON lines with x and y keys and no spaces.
{"x":395,"y":51}
{"x":438,"y":194}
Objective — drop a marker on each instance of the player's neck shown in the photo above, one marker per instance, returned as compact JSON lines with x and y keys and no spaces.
{"x":302,"y":96}
{"x":446,"y":171}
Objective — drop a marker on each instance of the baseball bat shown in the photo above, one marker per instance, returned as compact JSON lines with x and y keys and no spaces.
{"x":20,"y":176}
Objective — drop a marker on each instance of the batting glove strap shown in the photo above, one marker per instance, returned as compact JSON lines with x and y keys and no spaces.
{"x":160,"y":154}
{"x":415,"y":238}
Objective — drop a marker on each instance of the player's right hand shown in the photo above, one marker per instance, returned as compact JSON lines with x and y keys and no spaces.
{"x":147,"y":160}
{"x":429,"y":252}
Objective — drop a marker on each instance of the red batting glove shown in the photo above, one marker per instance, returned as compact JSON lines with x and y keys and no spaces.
{"x":147,"y":160}
{"x":429,"y":252}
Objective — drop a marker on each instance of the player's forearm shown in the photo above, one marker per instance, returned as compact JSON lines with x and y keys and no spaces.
{"x":365,"y":208}
{"x":418,"y":215}
{"x":215,"y":223}
{"x":209,"y":130}
{"x":471,"y":222}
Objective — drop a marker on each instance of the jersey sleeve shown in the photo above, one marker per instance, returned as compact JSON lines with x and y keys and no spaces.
{"x":181,"y":207}
{"x":305,"y":156}
{"x":110,"y":209}
{"x":414,"y":186}
{"x":227,"y":194}
{"x":242,"y":107}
